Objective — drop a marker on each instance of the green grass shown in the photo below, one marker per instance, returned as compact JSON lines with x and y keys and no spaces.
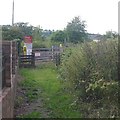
{"x":30,"y":115}
{"x":55,"y":99}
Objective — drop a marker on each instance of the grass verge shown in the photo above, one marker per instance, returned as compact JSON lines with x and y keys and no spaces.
{"x":55,"y":98}
{"x":30,"y":115}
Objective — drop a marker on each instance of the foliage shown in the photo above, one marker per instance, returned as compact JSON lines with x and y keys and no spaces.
{"x":91,"y":71}
{"x":18,"y":31}
{"x":42,"y":44}
{"x":47,"y":33}
{"x":58,"y":36}
{"x":37,"y":33}
{"x":75,"y":30}
{"x":110,"y":35}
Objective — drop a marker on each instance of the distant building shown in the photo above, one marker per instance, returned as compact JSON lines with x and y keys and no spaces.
{"x":96,"y":40}
{"x":95,"y":37}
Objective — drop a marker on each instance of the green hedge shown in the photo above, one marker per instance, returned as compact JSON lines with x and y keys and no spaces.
{"x":91,"y":71}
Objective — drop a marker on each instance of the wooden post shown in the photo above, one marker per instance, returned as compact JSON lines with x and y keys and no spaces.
{"x":33,"y":59}
{"x":7,"y":53}
{"x":52,"y":53}
{"x":3,"y":72}
{"x":13,"y":57}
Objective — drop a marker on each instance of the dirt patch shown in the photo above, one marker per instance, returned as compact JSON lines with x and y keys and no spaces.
{"x":23,"y":106}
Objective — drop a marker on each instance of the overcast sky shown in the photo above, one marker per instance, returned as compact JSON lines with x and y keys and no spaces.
{"x":100,"y":15}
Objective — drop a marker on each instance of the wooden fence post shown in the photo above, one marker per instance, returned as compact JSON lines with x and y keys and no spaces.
{"x":6,"y":48}
{"x":13,"y":57}
{"x":53,"y":53}
{"x":33,"y":59}
{"x":3,"y":72}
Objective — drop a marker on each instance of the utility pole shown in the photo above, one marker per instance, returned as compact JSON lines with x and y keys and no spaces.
{"x":13,"y":13}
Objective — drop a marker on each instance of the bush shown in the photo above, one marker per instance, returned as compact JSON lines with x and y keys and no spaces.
{"x":91,"y":70}
{"x":42,"y":44}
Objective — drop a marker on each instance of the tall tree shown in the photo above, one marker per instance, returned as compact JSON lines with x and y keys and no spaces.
{"x":75,"y":30}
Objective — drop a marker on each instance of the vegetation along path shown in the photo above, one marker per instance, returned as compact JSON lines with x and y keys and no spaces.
{"x":40,"y":94}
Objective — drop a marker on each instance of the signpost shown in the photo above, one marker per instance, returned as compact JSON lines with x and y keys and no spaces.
{"x":28,"y":44}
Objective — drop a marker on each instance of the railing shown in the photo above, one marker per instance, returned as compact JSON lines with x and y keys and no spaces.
{"x":42,"y":49}
{"x":47,"y":54}
{"x":27,"y":60}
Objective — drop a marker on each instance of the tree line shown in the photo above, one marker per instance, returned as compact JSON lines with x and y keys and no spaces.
{"x":74,"y":32}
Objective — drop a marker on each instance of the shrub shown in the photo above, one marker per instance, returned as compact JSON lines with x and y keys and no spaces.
{"x":91,"y":70}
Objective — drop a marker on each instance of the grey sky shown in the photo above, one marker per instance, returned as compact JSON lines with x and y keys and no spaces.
{"x":100,"y":15}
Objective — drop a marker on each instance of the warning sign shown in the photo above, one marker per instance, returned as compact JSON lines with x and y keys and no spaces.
{"x":28,"y":44}
{"x":28,"y":39}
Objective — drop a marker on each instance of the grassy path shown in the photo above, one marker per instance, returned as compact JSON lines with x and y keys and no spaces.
{"x":44,"y":95}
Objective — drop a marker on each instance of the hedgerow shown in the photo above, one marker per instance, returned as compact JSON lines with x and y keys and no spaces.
{"x":91,"y":70}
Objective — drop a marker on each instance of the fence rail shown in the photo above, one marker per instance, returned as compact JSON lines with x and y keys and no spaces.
{"x":27,"y":60}
{"x":40,"y":55}
{"x":48,"y":54}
